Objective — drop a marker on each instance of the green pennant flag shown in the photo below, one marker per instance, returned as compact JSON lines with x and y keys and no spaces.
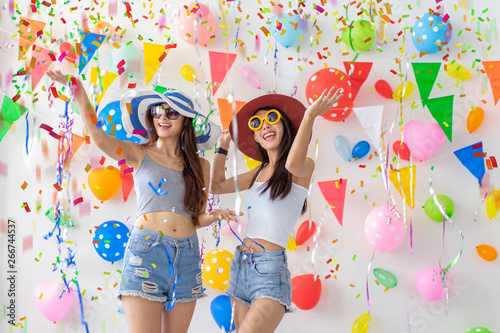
{"x":10,"y":112}
{"x":425,"y":75}
{"x":442,"y":110}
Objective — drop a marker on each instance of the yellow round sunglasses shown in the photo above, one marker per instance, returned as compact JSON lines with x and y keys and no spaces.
{"x":272,"y":117}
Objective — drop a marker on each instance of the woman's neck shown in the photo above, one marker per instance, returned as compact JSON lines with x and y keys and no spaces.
{"x":168,"y":146}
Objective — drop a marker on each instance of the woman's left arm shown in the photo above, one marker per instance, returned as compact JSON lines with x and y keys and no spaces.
{"x":297,"y":163}
{"x":206,"y":219}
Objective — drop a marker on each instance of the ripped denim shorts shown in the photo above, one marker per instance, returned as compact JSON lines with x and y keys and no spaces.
{"x":255,"y":275}
{"x":146,"y":271}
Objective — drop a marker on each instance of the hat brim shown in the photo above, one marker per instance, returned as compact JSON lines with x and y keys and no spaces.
{"x":290,"y":106}
{"x":135,"y":103}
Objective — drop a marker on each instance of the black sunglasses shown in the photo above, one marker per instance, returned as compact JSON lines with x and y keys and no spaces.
{"x":158,"y":110}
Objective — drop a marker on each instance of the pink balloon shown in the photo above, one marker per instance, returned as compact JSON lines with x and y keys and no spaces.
{"x":251,"y":77}
{"x":48,"y":301}
{"x":423,"y":139}
{"x":430,"y":284}
{"x":198,"y":14}
{"x":384,"y":230}
{"x":225,"y":231}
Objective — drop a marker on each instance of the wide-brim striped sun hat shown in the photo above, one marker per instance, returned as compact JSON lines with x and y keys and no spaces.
{"x":135,"y":103}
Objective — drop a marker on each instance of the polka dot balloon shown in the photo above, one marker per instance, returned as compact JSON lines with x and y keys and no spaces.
{"x":384,"y":228}
{"x":110,"y":240}
{"x":430,"y":33}
{"x":110,"y":117}
{"x":479,"y":330}
{"x":215,"y":271}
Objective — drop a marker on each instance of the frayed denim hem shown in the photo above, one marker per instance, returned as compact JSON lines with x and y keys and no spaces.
{"x":121,"y":293}
{"x":288,"y":309}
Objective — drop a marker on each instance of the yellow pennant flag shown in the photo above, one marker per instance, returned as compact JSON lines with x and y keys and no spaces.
{"x":153,"y":56}
{"x":405,"y":182}
{"x":107,"y":79}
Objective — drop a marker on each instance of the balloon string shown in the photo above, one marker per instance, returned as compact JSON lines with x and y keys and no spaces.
{"x":442,"y":210}
{"x":482,"y":201}
{"x":367,"y":276}
{"x":315,"y":240}
{"x":170,"y":304}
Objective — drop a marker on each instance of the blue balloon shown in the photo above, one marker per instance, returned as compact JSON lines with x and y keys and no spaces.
{"x":221,"y":311}
{"x":287,"y":35}
{"x":110,"y":240}
{"x":360,"y":149}
{"x":429,"y":33}
{"x":111,"y":115}
{"x":342,"y":146}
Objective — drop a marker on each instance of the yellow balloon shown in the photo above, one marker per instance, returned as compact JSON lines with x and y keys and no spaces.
{"x":291,"y":246}
{"x":399,"y":90}
{"x":251,"y":163}
{"x":493,"y":203}
{"x":362,"y":323}
{"x":104,"y":182}
{"x":188,"y":73}
{"x":215,"y":271}
{"x":457,"y":71}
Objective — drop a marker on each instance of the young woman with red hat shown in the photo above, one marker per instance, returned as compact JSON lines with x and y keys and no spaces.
{"x":276,"y":130}
{"x":161,"y":268}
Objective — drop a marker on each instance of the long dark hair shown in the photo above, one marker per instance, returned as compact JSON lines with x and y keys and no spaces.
{"x":194,"y":195}
{"x":280,"y":183}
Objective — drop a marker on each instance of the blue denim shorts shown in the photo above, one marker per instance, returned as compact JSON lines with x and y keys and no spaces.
{"x":255,"y":275}
{"x":146,"y":271}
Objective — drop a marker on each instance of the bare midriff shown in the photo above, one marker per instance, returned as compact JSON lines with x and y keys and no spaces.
{"x":252,"y":247}
{"x":170,"y":224}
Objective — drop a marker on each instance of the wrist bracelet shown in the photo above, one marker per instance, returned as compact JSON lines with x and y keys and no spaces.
{"x":220,"y":151}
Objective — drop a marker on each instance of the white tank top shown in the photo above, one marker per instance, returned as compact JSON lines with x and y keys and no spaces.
{"x":273,"y":220}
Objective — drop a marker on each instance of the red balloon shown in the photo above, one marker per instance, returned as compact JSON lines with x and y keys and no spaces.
{"x":402,"y":152}
{"x":384,"y":89}
{"x":305,"y":232}
{"x":306,"y":291}
{"x":325,"y":79}
{"x":70,"y":56}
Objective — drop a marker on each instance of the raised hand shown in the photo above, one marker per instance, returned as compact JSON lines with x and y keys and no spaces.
{"x":324,"y":102}
{"x":224,"y":139}
{"x":226,"y":215}
{"x":58,"y":76}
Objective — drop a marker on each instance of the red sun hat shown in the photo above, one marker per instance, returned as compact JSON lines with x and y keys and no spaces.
{"x":290,"y":106}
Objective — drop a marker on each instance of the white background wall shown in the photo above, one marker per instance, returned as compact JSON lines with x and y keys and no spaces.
{"x":474,"y":291}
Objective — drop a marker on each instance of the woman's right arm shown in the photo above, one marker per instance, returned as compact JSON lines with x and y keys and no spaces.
{"x":111,"y":146}
{"x":218,"y":182}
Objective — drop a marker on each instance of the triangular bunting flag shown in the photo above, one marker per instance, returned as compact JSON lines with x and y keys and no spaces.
{"x":153,"y":56}
{"x":77,"y":142}
{"x":29,"y":30}
{"x":10,"y":112}
{"x":106,"y":80}
{"x":472,"y":157}
{"x":405,"y":185}
{"x":370,"y":117}
{"x":334,"y":193}
{"x":39,"y":64}
{"x":127,"y":181}
{"x":359,"y":74}
{"x":492,"y":69}
{"x":226,"y":111}
{"x":425,"y":74}
{"x":442,"y":110}
{"x":220,"y":63}
{"x":88,"y":45}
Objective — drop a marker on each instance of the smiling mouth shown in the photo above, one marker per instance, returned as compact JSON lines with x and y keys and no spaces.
{"x":164,"y":125}
{"x":269,"y":136}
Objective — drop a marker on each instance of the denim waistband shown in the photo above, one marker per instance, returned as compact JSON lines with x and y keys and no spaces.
{"x":279,"y":255}
{"x":159,"y":238}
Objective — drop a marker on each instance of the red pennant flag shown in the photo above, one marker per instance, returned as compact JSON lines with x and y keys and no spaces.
{"x":220,"y":63}
{"x":334,"y":193}
{"x":492,"y":69}
{"x":127,"y":181}
{"x":358,"y":76}
{"x":40,"y":62}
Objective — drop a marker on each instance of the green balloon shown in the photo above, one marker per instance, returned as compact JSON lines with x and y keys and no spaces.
{"x":386,"y":278}
{"x":479,"y":330}
{"x":432,"y":210}
{"x":62,"y":220}
{"x":359,"y":35}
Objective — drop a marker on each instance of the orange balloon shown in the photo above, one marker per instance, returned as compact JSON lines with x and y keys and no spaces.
{"x":475,"y":118}
{"x":104,"y":182}
{"x":103,"y":28}
{"x":486,"y":252}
